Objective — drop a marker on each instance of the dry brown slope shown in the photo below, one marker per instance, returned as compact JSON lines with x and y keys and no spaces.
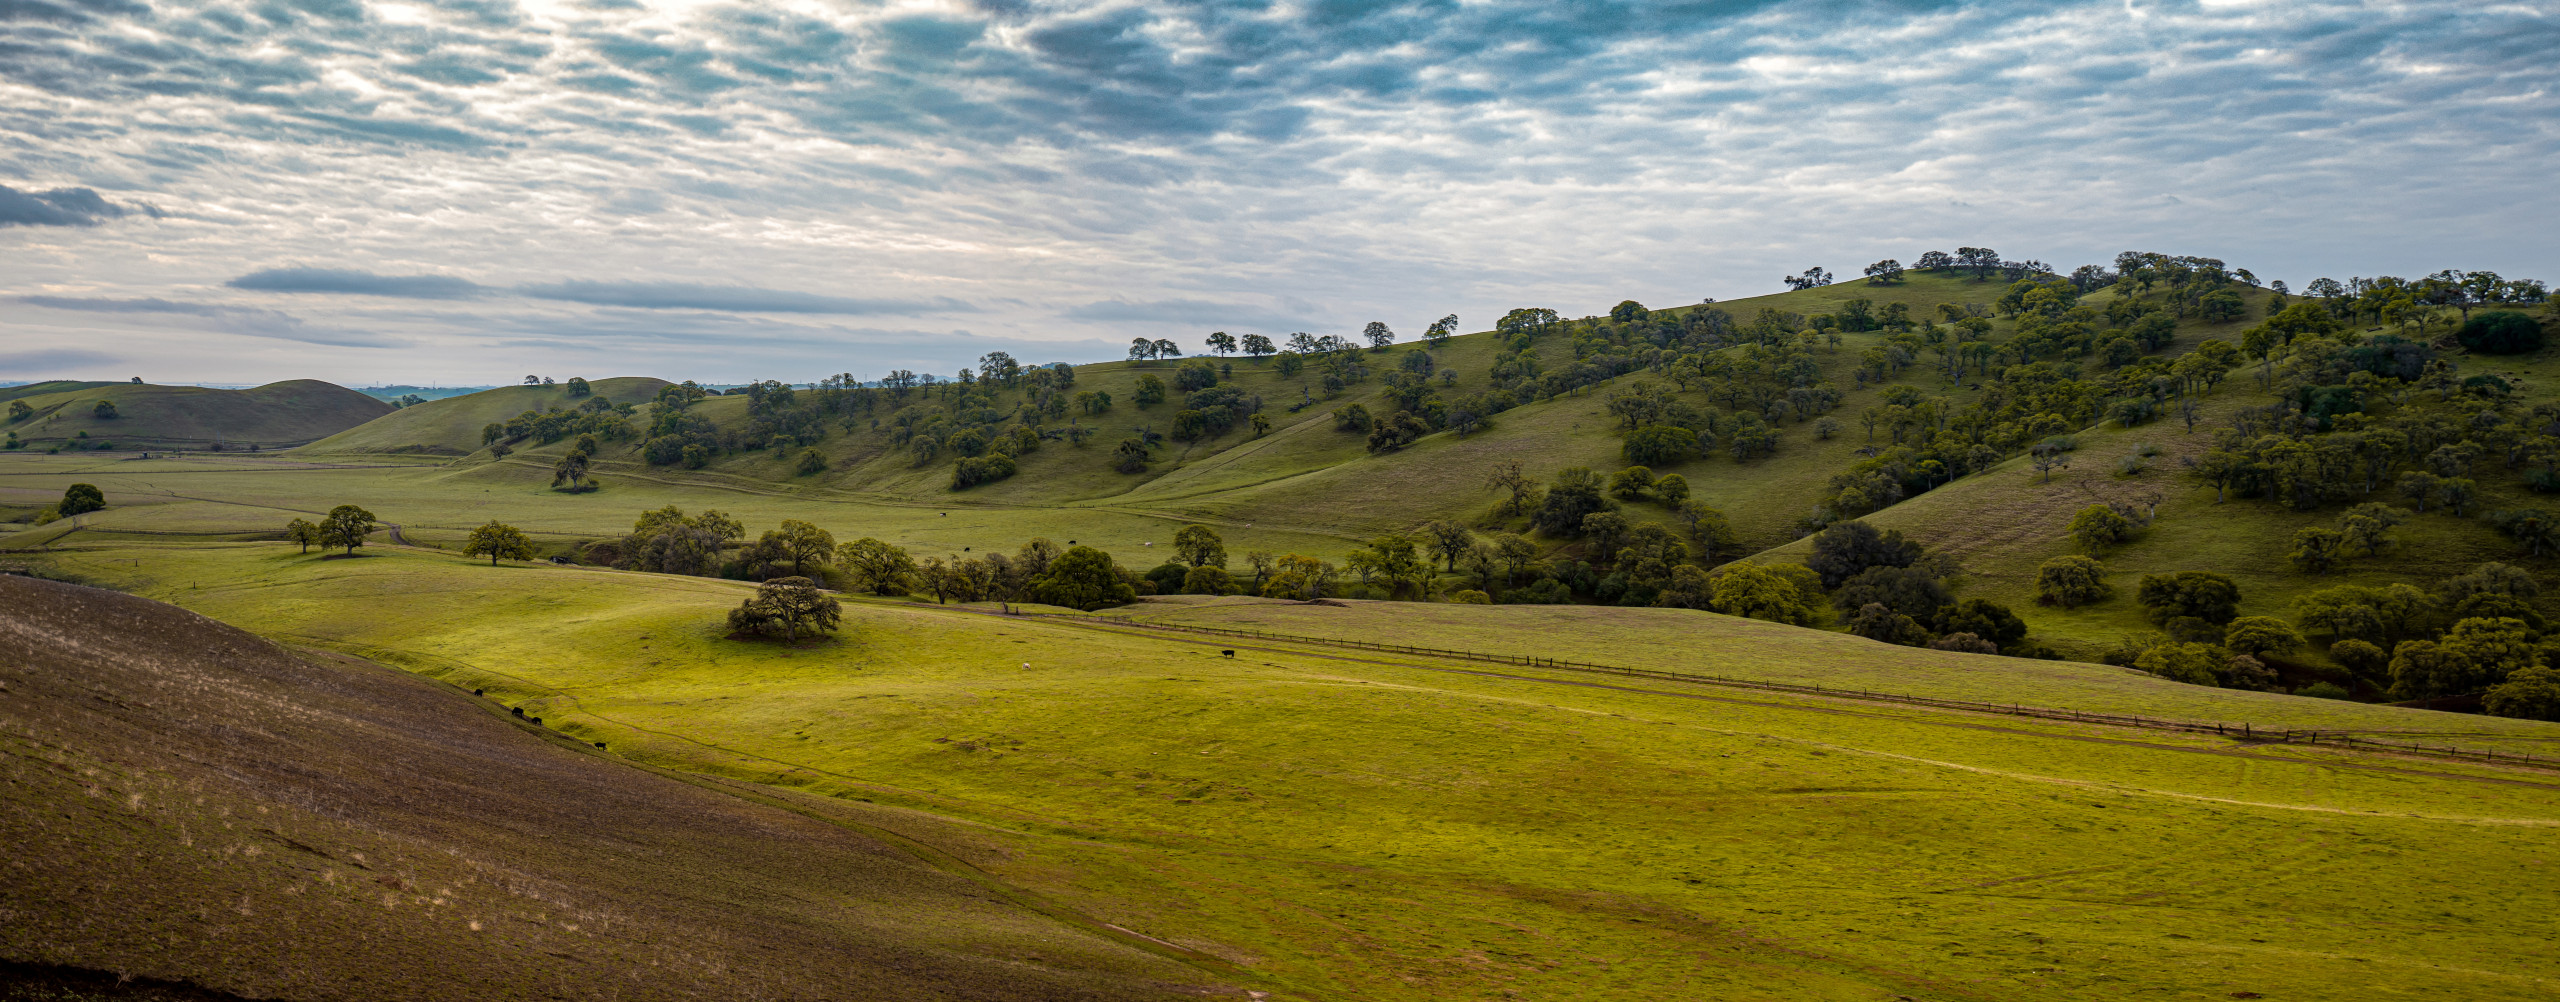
{"x":186,"y":801}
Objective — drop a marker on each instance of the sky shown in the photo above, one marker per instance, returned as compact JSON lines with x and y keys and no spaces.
{"x":468,"y":191}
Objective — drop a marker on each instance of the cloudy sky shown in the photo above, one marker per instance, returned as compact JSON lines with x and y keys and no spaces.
{"x":469,"y":190}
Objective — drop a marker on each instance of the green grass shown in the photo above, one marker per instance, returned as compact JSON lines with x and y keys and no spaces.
{"x":277,"y":415}
{"x":1354,"y":827}
{"x":2003,"y":523}
{"x":453,"y":423}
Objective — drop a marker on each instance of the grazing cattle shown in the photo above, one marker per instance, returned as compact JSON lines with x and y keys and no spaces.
{"x":479,"y":692}
{"x":599,"y":745}
{"x":1228,"y":653}
{"x":519,"y":710}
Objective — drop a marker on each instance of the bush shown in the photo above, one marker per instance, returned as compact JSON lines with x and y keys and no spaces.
{"x":1207,"y":581}
{"x":2324,"y":690}
{"x":1876,"y":622}
{"x":80,"y":499}
{"x":2259,"y":636}
{"x":2364,"y":659}
{"x":2194,"y":664}
{"x":2069,"y":581}
{"x":981,"y":469}
{"x":1082,"y":578}
{"x":1470,"y":597}
{"x":2203,"y":594}
{"x":1660,"y":444}
{"x":2500,"y":332}
{"x":2530,"y":694}
{"x":1983,"y":619}
{"x":1544,"y":591}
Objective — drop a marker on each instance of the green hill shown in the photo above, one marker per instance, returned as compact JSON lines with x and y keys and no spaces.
{"x":1339,"y":823}
{"x":451,"y":426}
{"x":320,"y":802}
{"x":1305,"y":472}
{"x":147,"y":416}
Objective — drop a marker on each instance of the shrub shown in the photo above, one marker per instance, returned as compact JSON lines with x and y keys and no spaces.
{"x":2324,"y":690}
{"x":1783,"y":594}
{"x":1876,"y":622}
{"x":1907,"y":590}
{"x":80,"y":499}
{"x":1660,"y":444}
{"x":2365,"y":660}
{"x":2530,"y":694}
{"x":1470,"y":597}
{"x":1544,"y":591}
{"x":1168,"y":576}
{"x":1207,"y":580}
{"x":2069,"y":581}
{"x":1984,"y":619}
{"x":981,"y":469}
{"x":2203,"y":594}
{"x":1672,"y":489}
{"x":2258,"y":636}
{"x":1843,"y":550}
{"x":1082,"y":578}
{"x":2099,"y":526}
{"x":2500,"y":332}
{"x":2194,"y":664}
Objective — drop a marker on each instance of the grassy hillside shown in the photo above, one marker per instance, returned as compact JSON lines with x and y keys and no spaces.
{"x":1338,"y":826}
{"x":2002,"y":524}
{"x":277,"y":415}
{"x":451,"y":426}
{"x":473,"y":855}
{"x":1304,"y":473}
{"x":51,"y":386}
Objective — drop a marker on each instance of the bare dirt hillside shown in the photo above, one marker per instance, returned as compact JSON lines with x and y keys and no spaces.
{"x":188,"y":804}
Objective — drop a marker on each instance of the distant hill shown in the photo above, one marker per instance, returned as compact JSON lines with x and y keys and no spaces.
{"x":394,"y":393}
{"x":451,"y":426}
{"x":147,"y":416}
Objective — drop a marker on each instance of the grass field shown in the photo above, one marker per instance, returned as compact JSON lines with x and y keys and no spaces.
{"x":1347,"y":826}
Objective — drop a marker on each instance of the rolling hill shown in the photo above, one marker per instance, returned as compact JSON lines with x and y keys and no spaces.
{"x":190,"y":803}
{"x":852,"y":460}
{"x":1333,"y":823}
{"x":147,"y":416}
{"x":451,"y":426}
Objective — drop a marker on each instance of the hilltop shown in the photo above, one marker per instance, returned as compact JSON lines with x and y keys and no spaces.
{"x":130,"y":416}
{"x":450,"y":426}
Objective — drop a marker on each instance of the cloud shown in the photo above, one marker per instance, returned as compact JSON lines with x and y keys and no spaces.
{"x":54,"y":361}
{"x":146,"y":305}
{"x":222,"y":318}
{"x":1266,"y":167}
{"x":731,"y":298}
{"x":358,"y":283}
{"x":1197,"y":313}
{"x":60,"y":206}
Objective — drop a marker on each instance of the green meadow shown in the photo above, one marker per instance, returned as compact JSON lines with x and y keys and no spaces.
{"x":1346,"y":825}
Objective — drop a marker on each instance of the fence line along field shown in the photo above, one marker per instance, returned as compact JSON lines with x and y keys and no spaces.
{"x":1345,"y":826}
